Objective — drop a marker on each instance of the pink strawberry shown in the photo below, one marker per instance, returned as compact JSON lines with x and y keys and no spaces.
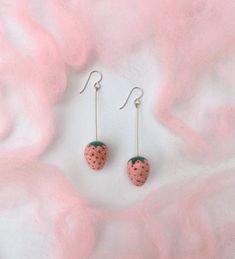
{"x":138,"y":170}
{"x":96,"y":155}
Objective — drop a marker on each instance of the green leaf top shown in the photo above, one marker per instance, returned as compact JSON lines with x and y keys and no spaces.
{"x":137,"y":158}
{"x":97,"y":144}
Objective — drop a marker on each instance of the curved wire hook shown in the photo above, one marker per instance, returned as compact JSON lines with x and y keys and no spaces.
{"x":97,"y":84}
{"x":137,"y":100}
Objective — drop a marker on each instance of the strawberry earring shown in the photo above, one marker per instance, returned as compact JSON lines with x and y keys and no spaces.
{"x":96,"y":152}
{"x":138,"y":166}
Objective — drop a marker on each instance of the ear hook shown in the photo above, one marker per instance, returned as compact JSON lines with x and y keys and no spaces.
{"x":97,"y":84}
{"x":137,"y":100}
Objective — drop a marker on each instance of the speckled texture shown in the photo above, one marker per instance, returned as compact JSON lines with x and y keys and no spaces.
{"x":96,"y":154}
{"x":138,"y":170}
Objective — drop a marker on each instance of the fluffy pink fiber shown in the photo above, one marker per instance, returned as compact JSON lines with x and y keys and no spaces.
{"x":193,"y":219}
{"x":186,"y":221}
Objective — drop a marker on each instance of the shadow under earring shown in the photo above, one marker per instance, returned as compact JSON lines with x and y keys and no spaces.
{"x":137,"y":167}
{"x":96,"y":152}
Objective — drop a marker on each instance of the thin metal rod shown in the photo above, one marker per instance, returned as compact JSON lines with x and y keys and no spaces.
{"x":137,"y":131}
{"x":96,"y":114}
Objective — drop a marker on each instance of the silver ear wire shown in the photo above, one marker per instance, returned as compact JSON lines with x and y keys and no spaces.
{"x":137,"y":101}
{"x":97,"y":83}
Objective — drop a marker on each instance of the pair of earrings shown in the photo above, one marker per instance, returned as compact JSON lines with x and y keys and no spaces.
{"x":96,"y":152}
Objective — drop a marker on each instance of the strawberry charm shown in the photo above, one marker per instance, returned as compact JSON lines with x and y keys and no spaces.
{"x":138,"y":170}
{"x":96,"y":154}
{"x":138,"y":166}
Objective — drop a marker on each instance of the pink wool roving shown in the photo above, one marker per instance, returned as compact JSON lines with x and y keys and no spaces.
{"x":39,"y":44}
{"x":176,"y":221}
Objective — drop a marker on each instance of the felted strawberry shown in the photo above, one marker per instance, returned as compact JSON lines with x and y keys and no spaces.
{"x":138,"y":170}
{"x":96,"y":154}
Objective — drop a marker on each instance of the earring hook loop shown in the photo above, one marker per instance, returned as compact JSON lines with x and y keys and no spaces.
{"x":97,"y":83}
{"x":137,"y":101}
